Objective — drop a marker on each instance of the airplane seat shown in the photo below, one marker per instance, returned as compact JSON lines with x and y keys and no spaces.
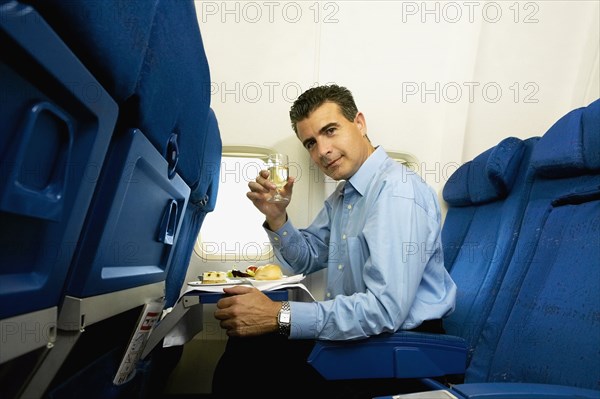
{"x":168,"y":113}
{"x":173,"y":95}
{"x":53,"y":142}
{"x":488,"y":178}
{"x":539,"y":328}
{"x":160,"y":362}
{"x":158,"y":171}
{"x":170,"y":106}
{"x":538,"y":340}
{"x":486,"y":198}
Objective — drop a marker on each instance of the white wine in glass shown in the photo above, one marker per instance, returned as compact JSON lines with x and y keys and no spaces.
{"x":277,"y":165}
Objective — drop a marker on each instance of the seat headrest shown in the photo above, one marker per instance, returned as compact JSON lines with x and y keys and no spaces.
{"x":591,"y":135}
{"x":488,"y":177}
{"x":571,"y":146}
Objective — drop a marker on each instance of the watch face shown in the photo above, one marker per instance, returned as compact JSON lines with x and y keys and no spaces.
{"x":284,"y":318}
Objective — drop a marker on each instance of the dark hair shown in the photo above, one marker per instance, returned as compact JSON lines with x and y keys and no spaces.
{"x":313,"y":98}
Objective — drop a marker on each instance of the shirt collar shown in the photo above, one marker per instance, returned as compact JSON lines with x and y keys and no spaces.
{"x":364,"y":175}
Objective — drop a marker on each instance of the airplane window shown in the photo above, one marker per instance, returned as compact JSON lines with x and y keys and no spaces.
{"x":406,"y":159}
{"x":233,"y":231}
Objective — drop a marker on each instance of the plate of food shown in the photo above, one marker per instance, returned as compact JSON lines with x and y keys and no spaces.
{"x":265,"y":276}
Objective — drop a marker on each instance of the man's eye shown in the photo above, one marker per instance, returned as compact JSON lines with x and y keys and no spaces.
{"x":309,"y":145}
{"x":330,"y":131}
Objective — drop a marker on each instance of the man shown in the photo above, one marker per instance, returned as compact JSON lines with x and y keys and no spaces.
{"x":378,"y":235}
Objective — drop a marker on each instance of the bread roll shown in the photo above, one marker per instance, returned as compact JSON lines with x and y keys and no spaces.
{"x":268,"y":272}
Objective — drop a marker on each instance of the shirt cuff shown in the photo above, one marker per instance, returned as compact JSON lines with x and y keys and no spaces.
{"x":282,"y":236}
{"x":303,"y":320}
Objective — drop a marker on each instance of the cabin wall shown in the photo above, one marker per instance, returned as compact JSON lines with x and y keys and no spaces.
{"x":442,"y":81}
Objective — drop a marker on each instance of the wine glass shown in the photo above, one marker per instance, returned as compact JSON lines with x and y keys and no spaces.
{"x":277,"y":165}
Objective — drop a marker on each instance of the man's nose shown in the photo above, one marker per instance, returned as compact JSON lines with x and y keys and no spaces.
{"x":324,"y":148}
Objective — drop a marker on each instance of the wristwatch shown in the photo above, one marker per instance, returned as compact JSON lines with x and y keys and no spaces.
{"x":284,"y":319}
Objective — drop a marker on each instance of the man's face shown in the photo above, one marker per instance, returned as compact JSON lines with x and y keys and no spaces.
{"x":339,"y":147}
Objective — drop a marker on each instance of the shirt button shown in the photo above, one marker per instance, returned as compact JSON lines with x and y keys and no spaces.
{"x":329,"y":295}
{"x":285,"y":233}
{"x":276,"y":238}
{"x":350,"y":206}
{"x":344,"y":237}
{"x":340,"y":267}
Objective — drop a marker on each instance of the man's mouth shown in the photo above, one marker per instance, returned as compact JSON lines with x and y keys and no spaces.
{"x":333,"y":163}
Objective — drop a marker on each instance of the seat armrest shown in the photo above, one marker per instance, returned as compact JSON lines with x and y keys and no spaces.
{"x":510,"y":390}
{"x":502,"y":390}
{"x":400,"y":355}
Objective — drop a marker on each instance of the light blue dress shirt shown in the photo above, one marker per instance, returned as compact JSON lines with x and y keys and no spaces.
{"x":379,"y":237}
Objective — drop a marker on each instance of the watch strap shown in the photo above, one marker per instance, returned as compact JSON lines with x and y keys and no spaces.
{"x":284,"y":327}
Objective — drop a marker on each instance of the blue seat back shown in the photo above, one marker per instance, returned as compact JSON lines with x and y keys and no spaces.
{"x":108,"y":37}
{"x":155,"y":70}
{"x":486,"y":198}
{"x":133,"y":224}
{"x":541,"y":327}
{"x":173,"y":90}
{"x":52,"y":145}
{"x":202,"y":201}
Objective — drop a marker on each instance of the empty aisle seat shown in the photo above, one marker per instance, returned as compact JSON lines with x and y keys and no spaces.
{"x":542,"y":326}
{"x":542,"y":336}
{"x":486,"y":198}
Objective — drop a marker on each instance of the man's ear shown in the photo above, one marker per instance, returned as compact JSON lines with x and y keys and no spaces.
{"x":361,"y":123}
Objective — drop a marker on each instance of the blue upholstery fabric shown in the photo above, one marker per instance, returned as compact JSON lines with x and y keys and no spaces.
{"x":541,"y":326}
{"x":110,"y":37}
{"x":155,"y":69}
{"x":52,"y":141}
{"x":521,"y":391}
{"x":489,"y":177}
{"x":563,"y":152}
{"x":456,"y":189}
{"x":550,"y":331}
{"x":174,"y":87}
{"x":204,"y":201}
{"x":591,"y":136}
{"x":206,"y":193}
{"x":403,"y":354}
{"x":479,"y":239}
{"x":493,"y":172}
